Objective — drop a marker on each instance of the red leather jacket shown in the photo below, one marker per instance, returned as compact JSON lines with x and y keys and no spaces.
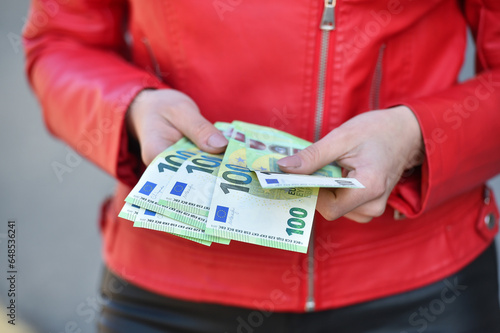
{"x":268,"y":62}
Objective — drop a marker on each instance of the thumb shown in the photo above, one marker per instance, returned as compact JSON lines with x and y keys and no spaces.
{"x":313,"y":157}
{"x":158,"y":139}
{"x":187,"y":119}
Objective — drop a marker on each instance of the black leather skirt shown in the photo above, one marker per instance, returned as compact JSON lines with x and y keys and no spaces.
{"x":466,"y":302}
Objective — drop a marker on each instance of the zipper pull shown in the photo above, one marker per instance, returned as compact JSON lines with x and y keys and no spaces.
{"x":328,"y":19}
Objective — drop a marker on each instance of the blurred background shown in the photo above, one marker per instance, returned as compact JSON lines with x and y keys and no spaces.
{"x":58,"y":243}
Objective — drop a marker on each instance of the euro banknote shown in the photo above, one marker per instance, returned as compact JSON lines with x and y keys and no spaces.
{"x":265,"y":146}
{"x":240,"y":195}
{"x":151,"y":220}
{"x":288,"y":180}
{"x":152,"y":184}
{"x":242,"y":210}
{"x":192,"y":187}
{"x":132,"y":213}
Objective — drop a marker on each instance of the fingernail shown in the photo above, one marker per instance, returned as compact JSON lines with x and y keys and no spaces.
{"x":290,"y":162}
{"x":217,"y":140}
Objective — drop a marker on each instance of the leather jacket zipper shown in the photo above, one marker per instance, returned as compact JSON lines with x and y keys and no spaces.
{"x":327,"y":25}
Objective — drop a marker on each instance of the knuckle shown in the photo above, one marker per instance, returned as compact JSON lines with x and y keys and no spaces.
{"x":377,"y":186}
{"x":312,"y":154}
{"x":172,"y":113}
{"x":379,"y":191}
{"x":358,"y":217}
{"x":364,"y":219}
{"x":373,"y":209}
{"x":179,"y":109}
{"x":203,"y":128}
{"x":376,"y":210}
{"x":328,"y":214}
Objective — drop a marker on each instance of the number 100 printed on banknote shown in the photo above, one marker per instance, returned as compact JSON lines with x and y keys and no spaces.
{"x":242,"y":210}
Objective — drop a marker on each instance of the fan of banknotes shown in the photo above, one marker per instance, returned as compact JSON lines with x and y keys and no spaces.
{"x":239,"y":195}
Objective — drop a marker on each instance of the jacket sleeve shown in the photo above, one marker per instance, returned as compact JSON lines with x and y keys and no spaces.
{"x":460,"y":126}
{"x":76,"y":64}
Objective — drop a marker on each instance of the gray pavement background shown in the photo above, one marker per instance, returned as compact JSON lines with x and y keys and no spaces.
{"x":58,"y":252}
{"x":59,"y":249}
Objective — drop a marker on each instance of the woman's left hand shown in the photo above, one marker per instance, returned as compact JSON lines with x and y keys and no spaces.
{"x":375,"y":147}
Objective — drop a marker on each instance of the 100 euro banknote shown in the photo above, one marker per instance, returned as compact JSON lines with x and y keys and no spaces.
{"x":265,"y":146}
{"x":192,"y":187}
{"x":134,"y":213}
{"x":151,"y":220}
{"x":242,"y":210}
{"x":152,"y":184}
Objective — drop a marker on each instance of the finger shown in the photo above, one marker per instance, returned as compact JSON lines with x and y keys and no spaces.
{"x":157,"y":140}
{"x":374,"y":208}
{"x":187,"y":119}
{"x":352,"y":215}
{"x":366,"y":212}
{"x":334,"y":203}
{"x":317,"y":155}
{"x":356,"y":217}
{"x":362,"y":214}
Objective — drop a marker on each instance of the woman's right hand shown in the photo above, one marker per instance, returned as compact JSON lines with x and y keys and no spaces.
{"x":159,"y":118}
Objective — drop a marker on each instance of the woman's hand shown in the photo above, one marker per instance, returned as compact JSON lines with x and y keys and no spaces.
{"x":375,"y":148}
{"x":159,"y":118}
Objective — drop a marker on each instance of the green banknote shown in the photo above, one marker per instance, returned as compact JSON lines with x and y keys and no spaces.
{"x":152,"y":220}
{"x":242,"y":210}
{"x":129,"y":212}
{"x":191,"y":188}
{"x":149,"y":188}
{"x":152,"y":185}
{"x":265,"y":146}
{"x":132,"y":212}
{"x":288,"y":180}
